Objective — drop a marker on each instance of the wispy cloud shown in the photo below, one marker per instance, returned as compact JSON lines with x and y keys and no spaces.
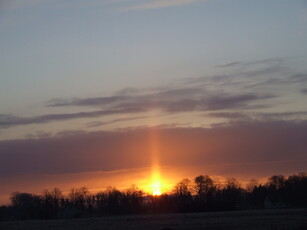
{"x":299,"y":78}
{"x":101,"y":123}
{"x":243,"y":90}
{"x":7,"y":120}
{"x":160,"y":4}
{"x":260,"y":116}
{"x":231,"y":64}
{"x":295,"y":79}
{"x":167,"y":101}
{"x":84,"y":102}
{"x":268,"y":61}
{"x":261,"y":70}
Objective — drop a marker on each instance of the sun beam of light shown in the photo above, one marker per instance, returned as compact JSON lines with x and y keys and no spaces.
{"x":156,"y":184}
{"x":155,"y":187}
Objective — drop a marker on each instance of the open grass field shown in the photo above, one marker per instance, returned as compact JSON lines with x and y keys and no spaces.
{"x":293,"y":219}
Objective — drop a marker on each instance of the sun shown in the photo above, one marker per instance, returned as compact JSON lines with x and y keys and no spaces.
{"x":156,"y":188}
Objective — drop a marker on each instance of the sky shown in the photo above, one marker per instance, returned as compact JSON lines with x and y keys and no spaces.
{"x":111,"y":92}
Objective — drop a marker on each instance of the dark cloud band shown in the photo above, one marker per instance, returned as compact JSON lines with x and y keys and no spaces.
{"x":240,"y":143}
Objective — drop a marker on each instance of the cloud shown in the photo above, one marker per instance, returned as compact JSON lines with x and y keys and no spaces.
{"x":171,"y":100}
{"x":10,"y":120}
{"x":292,"y":80}
{"x":99,"y":123}
{"x":304,"y":91}
{"x":235,"y":101}
{"x":295,"y":115}
{"x":230,"y":115}
{"x":231,"y":64}
{"x":264,"y":71}
{"x":245,"y":75}
{"x":268,"y":61}
{"x":84,"y":102}
{"x":268,"y":74}
{"x":167,"y":101}
{"x":76,"y":152}
{"x":243,"y":89}
{"x":299,"y":78}
{"x":260,"y":117}
{"x":134,"y":97}
{"x":160,"y":4}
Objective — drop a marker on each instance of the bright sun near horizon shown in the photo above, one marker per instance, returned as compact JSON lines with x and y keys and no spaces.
{"x":156,"y":188}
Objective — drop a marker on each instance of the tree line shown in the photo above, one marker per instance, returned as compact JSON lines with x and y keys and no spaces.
{"x":200,"y":195}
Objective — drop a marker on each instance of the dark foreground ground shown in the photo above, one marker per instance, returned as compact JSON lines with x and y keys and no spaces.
{"x":293,"y":219}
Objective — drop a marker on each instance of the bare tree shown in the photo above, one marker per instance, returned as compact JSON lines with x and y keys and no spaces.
{"x":204,"y":186}
{"x":251,"y":185}
{"x":232,"y":184}
{"x":277,"y":182}
{"x":183,"y":188}
{"x":114,"y":200}
{"x":78,"y":197}
{"x":26,"y":205}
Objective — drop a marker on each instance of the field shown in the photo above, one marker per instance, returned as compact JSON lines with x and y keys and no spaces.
{"x":293,"y":219}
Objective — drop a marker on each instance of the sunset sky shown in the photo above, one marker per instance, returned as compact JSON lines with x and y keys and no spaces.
{"x":119,"y":92}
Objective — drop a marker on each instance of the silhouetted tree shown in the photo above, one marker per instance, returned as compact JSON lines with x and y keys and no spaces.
{"x":230,"y":195}
{"x":251,"y":185}
{"x":276,"y":189}
{"x":78,"y":198}
{"x":296,"y":190}
{"x":25,"y":205}
{"x":255,"y":194}
{"x":101,"y":203}
{"x":277,"y":182}
{"x":207,"y":196}
{"x":51,"y":203}
{"x":6,"y":212}
{"x":183,"y":190}
{"x":204,"y":186}
{"x":114,"y":198}
{"x":205,"y":190}
{"x":132,"y":199}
